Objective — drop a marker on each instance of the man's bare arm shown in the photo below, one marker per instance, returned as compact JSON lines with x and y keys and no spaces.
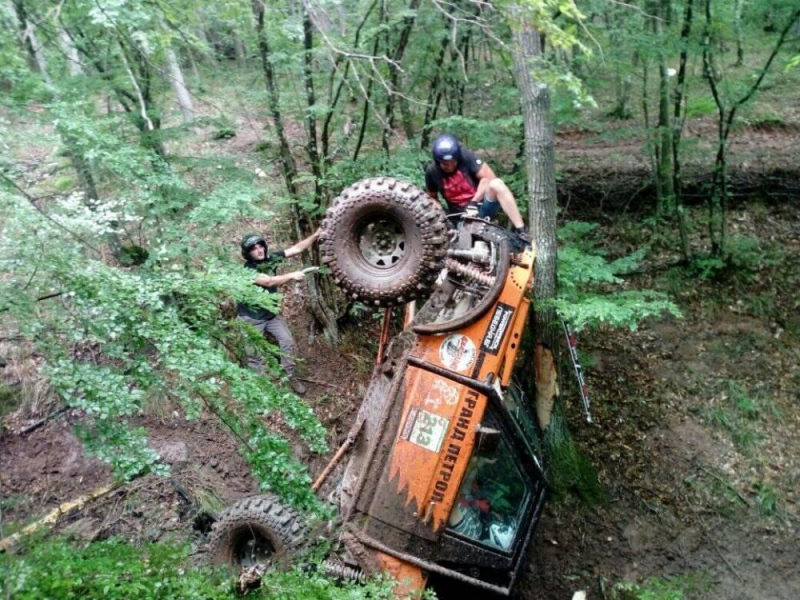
{"x":278,"y":280}
{"x":301,"y":245}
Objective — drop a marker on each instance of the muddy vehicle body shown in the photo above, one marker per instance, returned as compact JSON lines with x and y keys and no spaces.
{"x":440,"y":473}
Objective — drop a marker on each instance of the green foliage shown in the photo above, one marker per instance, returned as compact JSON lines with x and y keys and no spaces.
{"x":674,"y":588}
{"x":589,"y":285}
{"x":747,"y":257}
{"x":311,"y":585}
{"x":224,"y":131}
{"x":741,"y":412}
{"x":700,"y":106}
{"x":487,"y":135}
{"x":113,"y":569}
{"x":767,"y":499}
{"x":9,"y":399}
{"x":107,"y":570}
{"x":744,"y":259}
{"x":117,"y":337}
{"x":569,"y":470}
{"x":405,"y":163}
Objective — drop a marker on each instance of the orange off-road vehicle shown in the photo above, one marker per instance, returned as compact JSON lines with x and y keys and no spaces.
{"x":442,"y":479}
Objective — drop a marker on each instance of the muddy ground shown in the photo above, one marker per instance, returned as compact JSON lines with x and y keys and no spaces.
{"x":696,"y":436}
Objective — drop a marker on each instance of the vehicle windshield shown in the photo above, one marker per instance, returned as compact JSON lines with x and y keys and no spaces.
{"x":492,"y":495}
{"x":518,"y":406}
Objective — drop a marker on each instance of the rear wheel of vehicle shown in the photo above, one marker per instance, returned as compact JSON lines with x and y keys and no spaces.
{"x":384,"y":241}
{"x":257,"y":530}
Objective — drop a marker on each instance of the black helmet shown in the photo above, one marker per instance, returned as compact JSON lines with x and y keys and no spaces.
{"x":250,"y":240}
{"x":446,"y":147}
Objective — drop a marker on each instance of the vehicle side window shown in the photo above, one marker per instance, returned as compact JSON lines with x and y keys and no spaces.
{"x":492,"y":494}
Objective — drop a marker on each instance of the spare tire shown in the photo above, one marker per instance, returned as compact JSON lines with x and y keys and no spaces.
{"x":257,"y":530}
{"x":384,"y":241}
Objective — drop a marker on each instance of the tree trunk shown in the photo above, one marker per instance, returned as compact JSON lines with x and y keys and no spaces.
{"x":737,"y":27}
{"x":36,"y":61}
{"x":288,"y":164}
{"x":678,"y":118}
{"x":74,"y":66}
{"x":319,"y":300}
{"x":394,"y":70}
{"x":459,"y":80}
{"x":347,"y":127}
{"x":241,"y":53}
{"x":312,"y":148}
{"x":541,"y":176}
{"x":663,"y":175}
{"x":434,"y":94}
{"x":718,"y":203}
{"x":362,"y":131}
{"x":179,"y":85}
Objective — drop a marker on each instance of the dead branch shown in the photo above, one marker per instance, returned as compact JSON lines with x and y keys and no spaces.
{"x":54,"y":515}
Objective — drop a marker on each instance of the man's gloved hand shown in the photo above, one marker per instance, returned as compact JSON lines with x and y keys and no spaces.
{"x":520,"y":239}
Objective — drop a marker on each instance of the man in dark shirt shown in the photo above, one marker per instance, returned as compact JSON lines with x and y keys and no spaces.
{"x":468,"y":184}
{"x":259,"y":258}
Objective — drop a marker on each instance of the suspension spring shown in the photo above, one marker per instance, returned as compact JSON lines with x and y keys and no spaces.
{"x":469,"y":271}
{"x":341,"y":571}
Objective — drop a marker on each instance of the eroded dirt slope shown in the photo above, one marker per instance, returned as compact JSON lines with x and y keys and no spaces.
{"x":695,"y":444}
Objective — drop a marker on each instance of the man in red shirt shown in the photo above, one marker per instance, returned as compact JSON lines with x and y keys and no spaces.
{"x":468,"y":184}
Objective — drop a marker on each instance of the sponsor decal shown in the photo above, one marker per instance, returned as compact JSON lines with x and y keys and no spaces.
{"x":457,"y":352}
{"x":497,"y":328}
{"x":453,"y":449}
{"x":424,"y":429}
{"x":441,"y":392}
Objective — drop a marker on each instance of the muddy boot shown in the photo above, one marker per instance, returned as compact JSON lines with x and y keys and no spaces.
{"x":297,"y":386}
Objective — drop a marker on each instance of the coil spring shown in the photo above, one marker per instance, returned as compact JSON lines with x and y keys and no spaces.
{"x":470,"y":271}
{"x":342,"y":571}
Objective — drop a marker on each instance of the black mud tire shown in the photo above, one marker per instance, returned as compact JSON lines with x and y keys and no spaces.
{"x":384,"y":241}
{"x":259,"y":529}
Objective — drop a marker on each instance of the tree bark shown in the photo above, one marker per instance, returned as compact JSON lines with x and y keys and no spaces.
{"x":74,"y":66}
{"x":36,"y":60}
{"x":288,"y":163}
{"x":737,"y":27}
{"x":541,"y":176}
{"x":678,"y":118}
{"x":179,"y":85}
{"x":718,"y":203}
{"x":434,"y":94}
{"x":347,"y":127}
{"x":319,"y":300}
{"x":663,"y":175}
{"x":362,"y":131}
{"x":394,"y":73}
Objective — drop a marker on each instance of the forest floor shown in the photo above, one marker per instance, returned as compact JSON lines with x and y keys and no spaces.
{"x":696,"y":434}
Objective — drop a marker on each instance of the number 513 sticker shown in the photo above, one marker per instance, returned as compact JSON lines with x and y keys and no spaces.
{"x":424,"y":429}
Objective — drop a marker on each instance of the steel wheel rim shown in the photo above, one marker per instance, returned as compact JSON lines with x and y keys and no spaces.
{"x":253,"y":549}
{"x":382,"y":243}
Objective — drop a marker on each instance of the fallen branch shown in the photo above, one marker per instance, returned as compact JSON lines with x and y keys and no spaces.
{"x":728,"y":486}
{"x":41,"y":422}
{"x":54,"y":515}
{"x":710,"y":539}
{"x":317,"y":381}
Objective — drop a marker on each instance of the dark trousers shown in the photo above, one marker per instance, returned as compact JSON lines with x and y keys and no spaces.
{"x":278,"y":328}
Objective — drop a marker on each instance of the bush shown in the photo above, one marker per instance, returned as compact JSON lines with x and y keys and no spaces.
{"x":109,"y":570}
